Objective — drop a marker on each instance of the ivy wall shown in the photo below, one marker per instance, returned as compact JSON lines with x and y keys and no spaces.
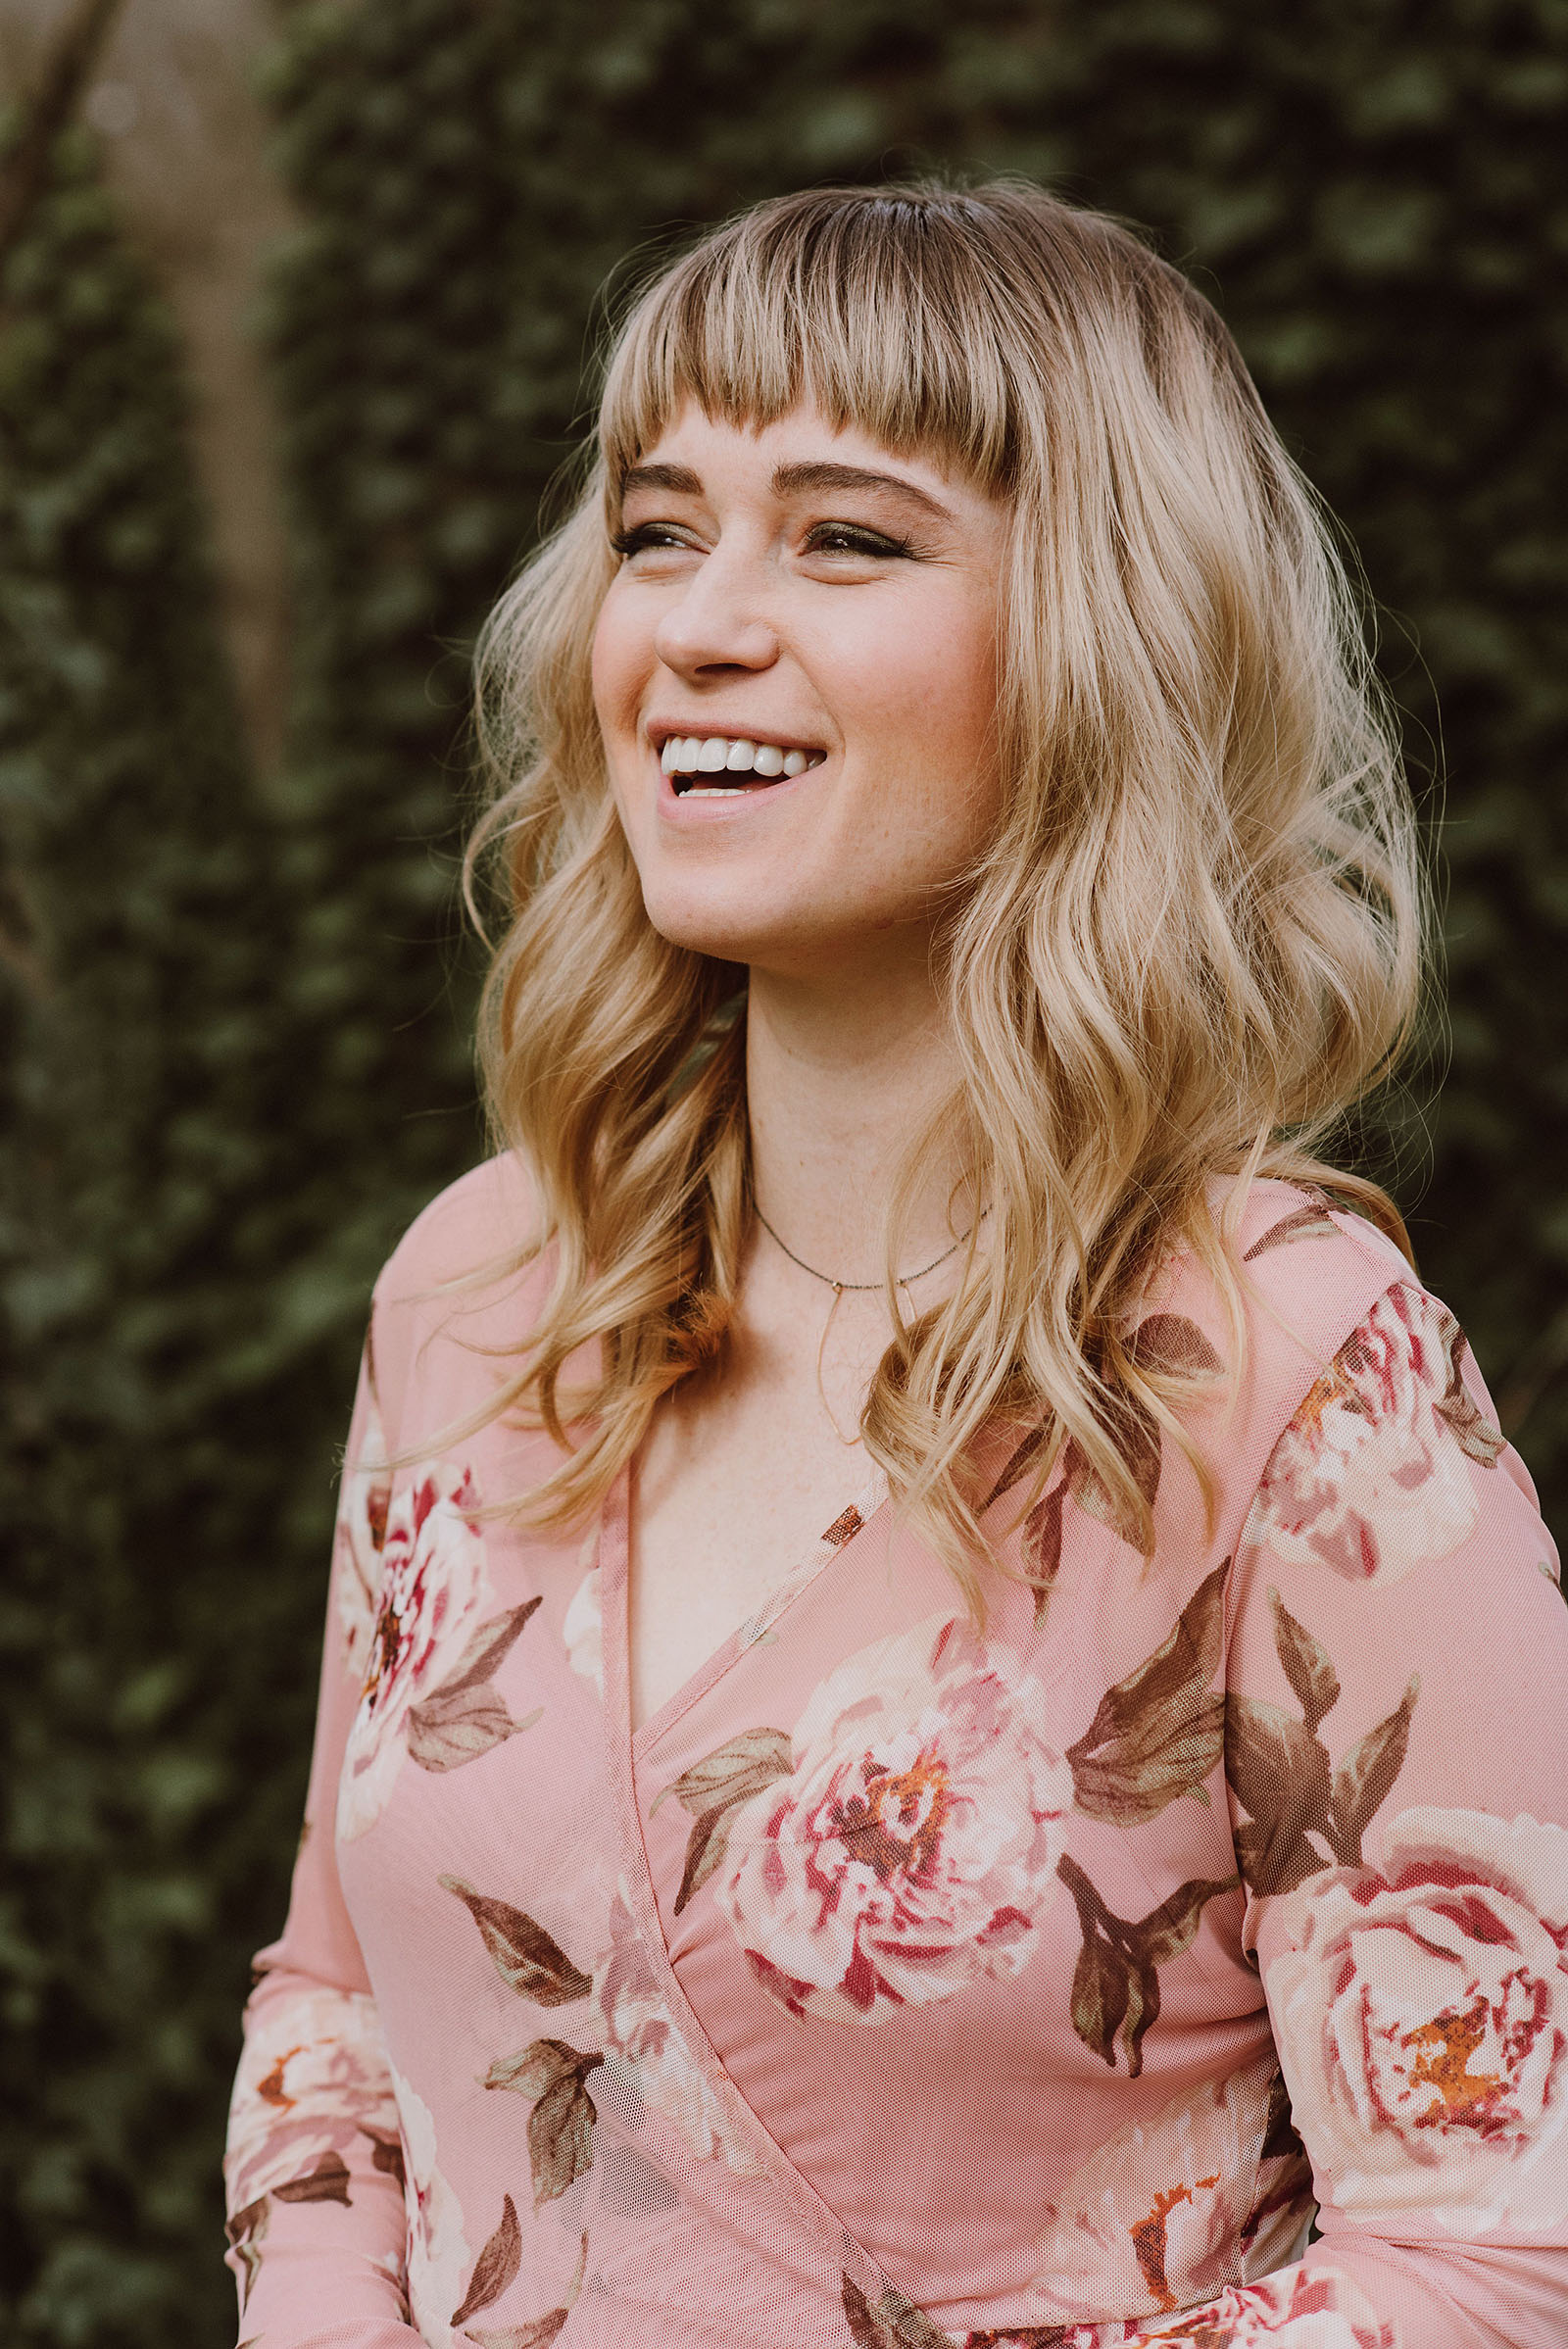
{"x":233,"y":1057}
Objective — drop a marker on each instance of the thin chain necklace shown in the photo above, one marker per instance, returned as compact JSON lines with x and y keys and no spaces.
{"x":862,"y":1288}
{"x":854,"y":1288}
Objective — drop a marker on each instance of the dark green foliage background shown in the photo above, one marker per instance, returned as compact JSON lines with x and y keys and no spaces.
{"x":233,"y":1019}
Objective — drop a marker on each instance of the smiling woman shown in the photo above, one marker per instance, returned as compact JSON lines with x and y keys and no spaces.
{"x":843,"y":614}
{"x":945,"y":1711}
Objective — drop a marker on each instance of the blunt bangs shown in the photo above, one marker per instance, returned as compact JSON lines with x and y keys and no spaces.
{"x":874,"y":312}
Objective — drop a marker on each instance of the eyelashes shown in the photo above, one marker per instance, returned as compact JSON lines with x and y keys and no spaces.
{"x":824,"y":538}
{"x":647,"y":534}
{"x":855,"y":540}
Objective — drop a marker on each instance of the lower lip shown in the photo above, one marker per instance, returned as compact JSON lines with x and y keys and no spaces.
{"x":684,"y":807}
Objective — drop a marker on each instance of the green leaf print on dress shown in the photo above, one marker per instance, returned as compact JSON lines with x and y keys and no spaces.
{"x":495,"y":2270}
{"x":465,"y":1717}
{"x":328,"y":2181}
{"x":543,"y":2330}
{"x":527,"y":1959}
{"x":1310,"y":1222}
{"x":531,"y":1962}
{"x":1041,"y":1537}
{"x":646,"y":2054}
{"x":1280,"y":1770}
{"x":561,"y":2126}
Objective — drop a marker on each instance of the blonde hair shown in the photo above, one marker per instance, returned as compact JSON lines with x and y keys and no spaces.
{"x":1194,"y":941}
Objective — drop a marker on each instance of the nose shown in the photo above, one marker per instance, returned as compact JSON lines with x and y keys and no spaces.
{"x":719,"y":621}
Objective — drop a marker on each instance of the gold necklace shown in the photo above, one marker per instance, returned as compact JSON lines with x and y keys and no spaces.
{"x":854,"y":1288}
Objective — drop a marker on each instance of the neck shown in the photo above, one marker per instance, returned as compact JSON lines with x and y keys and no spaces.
{"x":839,"y":1082}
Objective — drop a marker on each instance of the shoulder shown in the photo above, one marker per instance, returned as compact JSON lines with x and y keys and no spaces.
{"x":1348,"y":1248}
{"x":486,"y":1219}
{"x":1314,"y":1290}
{"x":1303,"y":1275}
{"x":1394,"y":1456}
{"x":458,"y":1294}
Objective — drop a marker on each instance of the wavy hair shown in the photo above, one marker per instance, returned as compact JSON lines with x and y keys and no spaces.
{"x":1193,"y":942}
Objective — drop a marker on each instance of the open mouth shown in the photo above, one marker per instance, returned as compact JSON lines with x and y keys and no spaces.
{"x":714,"y":767}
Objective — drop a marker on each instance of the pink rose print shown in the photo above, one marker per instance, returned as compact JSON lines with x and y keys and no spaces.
{"x":1306,"y":2307}
{"x":434,"y":1591}
{"x":643,"y":2040}
{"x":1213,"y":2189}
{"x":913,"y":1847}
{"x":360,"y":1543}
{"x":1372,"y":1477}
{"x":439,"y":2259}
{"x":312,"y":2090}
{"x":1422,"y":2019}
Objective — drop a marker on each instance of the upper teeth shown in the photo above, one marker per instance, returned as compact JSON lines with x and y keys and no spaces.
{"x":717,"y":754}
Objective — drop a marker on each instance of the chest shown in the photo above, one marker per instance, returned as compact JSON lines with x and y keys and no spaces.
{"x":843,"y":1878}
{"x":734,"y":1486}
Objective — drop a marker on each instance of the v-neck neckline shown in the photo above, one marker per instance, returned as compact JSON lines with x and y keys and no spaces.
{"x":625,"y":1749}
{"x":614,"y":1595}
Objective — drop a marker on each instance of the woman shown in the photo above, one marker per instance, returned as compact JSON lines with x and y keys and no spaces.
{"x":958,"y":872}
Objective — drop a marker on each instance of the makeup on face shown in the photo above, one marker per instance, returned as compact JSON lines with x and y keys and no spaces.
{"x":794,"y":675}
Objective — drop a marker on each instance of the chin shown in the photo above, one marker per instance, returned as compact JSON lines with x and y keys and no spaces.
{"x":729,"y":934}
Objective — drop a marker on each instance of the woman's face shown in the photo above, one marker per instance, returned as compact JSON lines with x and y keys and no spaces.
{"x":821,"y":615}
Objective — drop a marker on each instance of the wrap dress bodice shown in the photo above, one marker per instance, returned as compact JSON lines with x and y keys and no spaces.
{"x":1179,"y":1954}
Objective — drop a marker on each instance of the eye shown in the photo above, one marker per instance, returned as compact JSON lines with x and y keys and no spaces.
{"x":661,"y":536}
{"x":854,"y":538}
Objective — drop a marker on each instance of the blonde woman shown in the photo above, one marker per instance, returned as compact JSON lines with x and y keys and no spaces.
{"x":943,"y":1707}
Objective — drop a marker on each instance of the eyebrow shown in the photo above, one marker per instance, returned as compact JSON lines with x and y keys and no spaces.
{"x":678,"y":479}
{"x":789,"y":481}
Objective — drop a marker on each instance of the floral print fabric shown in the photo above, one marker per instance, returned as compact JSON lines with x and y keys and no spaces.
{"x":1371,"y":1477}
{"x":1430,"y":2003}
{"x":430,"y":1646}
{"x":907,"y":1981}
{"x":913,"y":1846}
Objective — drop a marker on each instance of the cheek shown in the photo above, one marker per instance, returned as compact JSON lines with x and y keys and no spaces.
{"x":620,"y":662}
{"x":967,"y":686}
{"x":932,"y":716}
{"x":618,"y":680}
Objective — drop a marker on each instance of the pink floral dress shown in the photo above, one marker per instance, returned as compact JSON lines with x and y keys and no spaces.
{"x":899,"y":1984}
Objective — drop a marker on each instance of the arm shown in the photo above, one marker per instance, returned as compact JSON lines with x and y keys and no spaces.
{"x":314,"y":2167}
{"x":1397,"y":1754}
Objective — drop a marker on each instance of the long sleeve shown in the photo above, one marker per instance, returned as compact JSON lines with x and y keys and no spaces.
{"x":1396,"y":1758}
{"x":314,"y":2167}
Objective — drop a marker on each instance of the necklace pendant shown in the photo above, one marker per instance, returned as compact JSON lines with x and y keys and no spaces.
{"x":849,"y":1441}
